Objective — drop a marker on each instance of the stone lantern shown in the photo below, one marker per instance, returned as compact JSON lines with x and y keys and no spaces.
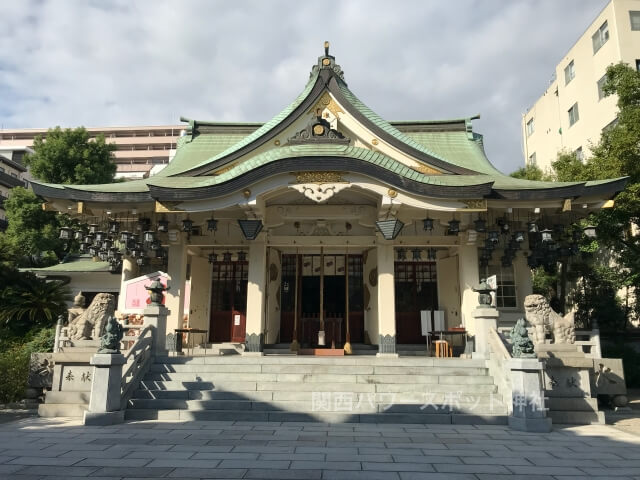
{"x":156,"y":292}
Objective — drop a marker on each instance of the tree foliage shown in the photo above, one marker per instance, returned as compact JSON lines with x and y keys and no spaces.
{"x":530,"y":172}
{"x":71,"y":157}
{"x":31,"y":239}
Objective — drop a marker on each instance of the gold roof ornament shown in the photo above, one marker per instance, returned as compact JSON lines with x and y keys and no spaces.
{"x":326,"y":48}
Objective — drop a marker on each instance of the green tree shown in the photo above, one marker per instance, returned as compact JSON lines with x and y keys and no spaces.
{"x":71,"y":157}
{"x":568,"y":168}
{"x":31,"y":239}
{"x":530,"y":172}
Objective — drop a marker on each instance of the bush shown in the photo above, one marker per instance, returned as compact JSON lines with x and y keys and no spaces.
{"x":14,"y":361}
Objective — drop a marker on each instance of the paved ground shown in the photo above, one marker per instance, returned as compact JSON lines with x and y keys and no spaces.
{"x":36,"y":448}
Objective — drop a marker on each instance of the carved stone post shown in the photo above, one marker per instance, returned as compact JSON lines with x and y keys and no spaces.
{"x":156,"y":317}
{"x":485,"y":318}
{"x":104,"y":406}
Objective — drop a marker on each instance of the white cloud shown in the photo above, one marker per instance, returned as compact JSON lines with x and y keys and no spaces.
{"x":148,"y":62}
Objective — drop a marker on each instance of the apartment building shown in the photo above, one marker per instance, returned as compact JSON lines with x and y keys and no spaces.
{"x":140,"y":150}
{"x":573,"y":111}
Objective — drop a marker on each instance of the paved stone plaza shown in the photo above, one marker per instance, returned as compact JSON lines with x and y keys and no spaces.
{"x":36,"y":448}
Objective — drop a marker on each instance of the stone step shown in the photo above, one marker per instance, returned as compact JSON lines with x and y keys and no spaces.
{"x":317,"y":387}
{"x":317,"y":369}
{"x":311,"y":360}
{"x":576,"y":417}
{"x":61,"y":410}
{"x":572,"y":404}
{"x":352,"y":404}
{"x":328,"y":417}
{"x":67,"y":397}
{"x":267,"y":396}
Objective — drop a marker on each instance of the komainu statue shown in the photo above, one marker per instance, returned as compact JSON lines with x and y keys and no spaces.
{"x":545,"y":320}
{"x":90,"y":323}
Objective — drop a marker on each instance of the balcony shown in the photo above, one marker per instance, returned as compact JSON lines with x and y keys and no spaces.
{"x":3,"y":225}
{"x":9,"y":181}
{"x":2,"y":200}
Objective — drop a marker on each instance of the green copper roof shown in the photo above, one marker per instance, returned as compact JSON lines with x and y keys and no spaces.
{"x":75,"y":265}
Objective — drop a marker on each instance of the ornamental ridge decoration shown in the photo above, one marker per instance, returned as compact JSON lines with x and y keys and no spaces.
{"x":319,"y":177}
{"x":426,"y":170}
{"x":326,"y":101}
{"x":318,"y":130}
{"x":476,"y":204}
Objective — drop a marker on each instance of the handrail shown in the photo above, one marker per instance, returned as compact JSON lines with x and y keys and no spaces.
{"x":138,"y":361}
{"x":498,"y":345}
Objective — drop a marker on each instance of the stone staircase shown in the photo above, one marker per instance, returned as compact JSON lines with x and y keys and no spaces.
{"x":328,"y":389}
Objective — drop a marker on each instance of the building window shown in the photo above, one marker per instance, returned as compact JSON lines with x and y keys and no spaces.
{"x":506,"y":294}
{"x":579,"y":154}
{"x":532,"y":159}
{"x":569,"y":72}
{"x":635,"y":20}
{"x":600,"y":37}
{"x":600,"y":84}
{"x":530,"y":127}
{"x":574,"y":116}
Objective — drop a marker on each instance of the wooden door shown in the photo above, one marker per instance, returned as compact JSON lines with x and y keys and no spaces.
{"x":415,"y":290}
{"x":228,"y":302}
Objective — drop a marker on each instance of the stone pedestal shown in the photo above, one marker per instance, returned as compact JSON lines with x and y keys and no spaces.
{"x":156,"y":317}
{"x":485,"y":318}
{"x":527,"y":395}
{"x":104,"y":406}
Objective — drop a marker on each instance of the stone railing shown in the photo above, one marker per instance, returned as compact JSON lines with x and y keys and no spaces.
{"x":589,"y":342}
{"x":499,"y":357}
{"x":138,"y":359}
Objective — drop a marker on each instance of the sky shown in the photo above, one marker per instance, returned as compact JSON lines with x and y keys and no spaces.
{"x":133,"y":62}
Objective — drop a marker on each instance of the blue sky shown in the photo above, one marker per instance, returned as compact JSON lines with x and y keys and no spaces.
{"x":99,"y":63}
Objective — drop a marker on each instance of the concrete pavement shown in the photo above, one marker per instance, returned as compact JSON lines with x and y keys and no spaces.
{"x":39,"y":448}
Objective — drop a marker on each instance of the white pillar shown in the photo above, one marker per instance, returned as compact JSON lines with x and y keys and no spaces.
{"x":156,"y":317}
{"x":129,"y":271}
{"x":200,"y":298}
{"x":371,"y":300}
{"x":177,"y":271}
{"x":484,"y":320}
{"x":386,"y":300}
{"x":256,"y":297}
{"x":468,"y":277}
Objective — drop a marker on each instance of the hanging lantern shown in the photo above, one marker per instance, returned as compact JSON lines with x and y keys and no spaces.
{"x":100,"y":236}
{"x":519,"y":236}
{"x":431,"y":253}
{"x":416,"y":254}
{"x":546,"y":235}
{"x":532,"y":227}
{"x":250,"y":228}
{"x":114,"y":227}
{"x":149,"y":236}
{"x":125,"y":236}
{"x":213,"y":257}
{"x":131,"y":243}
{"x":111,"y":253}
{"x":187,"y":225}
{"x":489,"y":244}
{"x":504,"y":225}
{"x":66,"y":233}
{"x":93,"y":251}
{"x":160,"y":252}
{"x":93,"y":228}
{"x":226,"y":256}
{"x":242,"y":256}
{"x":427,"y":224}
{"x":402,"y":254}
{"x":590,"y":231}
{"x":107,"y":244}
{"x":77,"y":235}
{"x":212,"y":225}
{"x":494,"y":236}
{"x":144,"y":224}
{"x":454,"y":227}
{"x":103,"y":255}
{"x":141,"y":261}
{"x":575,"y":249}
{"x":163,"y":225}
{"x":480,"y":225}
{"x":155,"y":245}
{"x":83,"y":247}
{"x":135,"y":253}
